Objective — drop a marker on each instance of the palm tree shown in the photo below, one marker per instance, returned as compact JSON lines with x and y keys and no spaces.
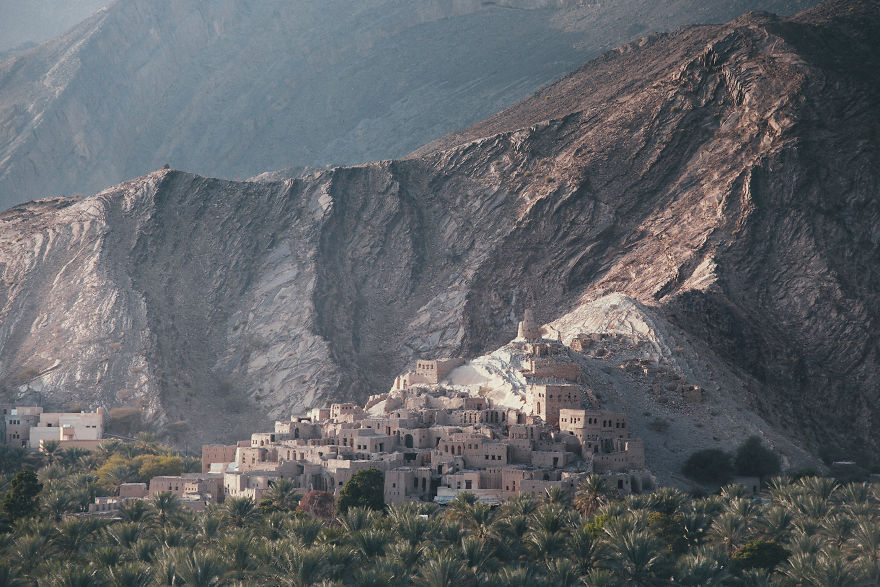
{"x":306,"y":529}
{"x":9,"y":576}
{"x":443,"y":569}
{"x":369,"y":543}
{"x":57,"y":502}
{"x":209,"y":527}
{"x":130,"y":575}
{"x":822,"y":487}
{"x":591,"y":494}
{"x":137,"y":511}
{"x":51,"y":450}
{"x":75,"y":535}
{"x":299,"y":566}
{"x":167,"y":507}
{"x":478,"y":555}
{"x":729,"y":530}
{"x":636,"y":558}
{"x":69,"y":574}
{"x":522,"y":576}
{"x":125,"y":534}
{"x":563,"y":572}
{"x":546,"y":543}
{"x":30,"y":550}
{"x":144,"y":550}
{"x":239,"y":511}
{"x":73,"y":456}
{"x":582,"y":548}
{"x":829,"y":569}
{"x":837,"y":528}
{"x":548,"y":517}
{"x":694,"y":525}
{"x":865,"y":541}
{"x":556,"y":495}
{"x":356,"y":519}
{"x":523,"y":504}
{"x":284,"y":495}
{"x":202,"y":569}
{"x":405,"y":554}
{"x":702,"y":569}
{"x":511,"y":530}
{"x":237,"y":551}
{"x":775,"y":523}
{"x":476,"y":517}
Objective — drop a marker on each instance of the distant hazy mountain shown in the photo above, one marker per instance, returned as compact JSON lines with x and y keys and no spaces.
{"x":234,"y":89}
{"x":24,"y":22}
{"x":721,"y":181}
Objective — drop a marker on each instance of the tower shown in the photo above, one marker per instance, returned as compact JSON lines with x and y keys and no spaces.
{"x":528,"y":328}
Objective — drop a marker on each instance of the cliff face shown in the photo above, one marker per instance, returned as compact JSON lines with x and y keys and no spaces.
{"x":725,"y":176}
{"x":232,"y":89}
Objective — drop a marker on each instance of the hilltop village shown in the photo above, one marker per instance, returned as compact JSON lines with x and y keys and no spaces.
{"x":432,"y":443}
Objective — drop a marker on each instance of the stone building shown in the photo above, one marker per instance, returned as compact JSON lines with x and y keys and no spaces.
{"x":545,"y":401}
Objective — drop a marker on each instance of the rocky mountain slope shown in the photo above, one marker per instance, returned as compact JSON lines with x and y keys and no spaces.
{"x":233,"y":89}
{"x":723,"y":176}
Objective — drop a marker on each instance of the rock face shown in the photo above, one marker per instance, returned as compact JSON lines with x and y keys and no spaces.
{"x":723,"y":176}
{"x":233,"y":89}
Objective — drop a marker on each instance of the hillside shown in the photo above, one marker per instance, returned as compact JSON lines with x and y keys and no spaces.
{"x":234,"y":89}
{"x":724,"y":177}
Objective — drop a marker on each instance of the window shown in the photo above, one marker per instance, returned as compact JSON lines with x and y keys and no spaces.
{"x":467,"y":484}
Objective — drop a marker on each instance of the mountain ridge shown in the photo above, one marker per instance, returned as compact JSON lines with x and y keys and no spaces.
{"x":237,"y":89}
{"x":707,"y":190}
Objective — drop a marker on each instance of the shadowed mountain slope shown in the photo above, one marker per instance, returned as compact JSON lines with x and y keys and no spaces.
{"x":724,"y":176}
{"x":233,"y":89}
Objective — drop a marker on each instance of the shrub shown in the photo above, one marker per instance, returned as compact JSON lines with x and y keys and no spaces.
{"x":755,"y":460}
{"x":318,"y":504}
{"x":366,"y":488}
{"x":710,"y":466}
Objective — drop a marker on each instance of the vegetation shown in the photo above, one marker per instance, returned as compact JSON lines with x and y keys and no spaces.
{"x":711,"y":466}
{"x":365,"y":489}
{"x":809,"y":531}
{"x":756,"y":460}
{"x":716,"y":467}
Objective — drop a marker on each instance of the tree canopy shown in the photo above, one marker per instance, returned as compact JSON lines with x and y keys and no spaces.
{"x":709,"y":466}
{"x":755,"y":460}
{"x":366,"y":488}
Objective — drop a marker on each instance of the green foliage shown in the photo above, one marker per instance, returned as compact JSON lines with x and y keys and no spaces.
{"x":711,"y":466}
{"x":755,"y":460}
{"x":23,"y":499}
{"x":810,"y":531}
{"x":759,"y":554}
{"x":12,"y":459}
{"x":366,"y":488}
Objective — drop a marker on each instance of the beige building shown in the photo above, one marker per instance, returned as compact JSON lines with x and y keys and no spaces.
{"x":545,"y":401}
{"x":67,"y":427}
{"x":18,"y":424}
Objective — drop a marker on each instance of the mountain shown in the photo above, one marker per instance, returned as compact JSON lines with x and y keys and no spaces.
{"x":234,"y":89}
{"x":723,"y":178}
